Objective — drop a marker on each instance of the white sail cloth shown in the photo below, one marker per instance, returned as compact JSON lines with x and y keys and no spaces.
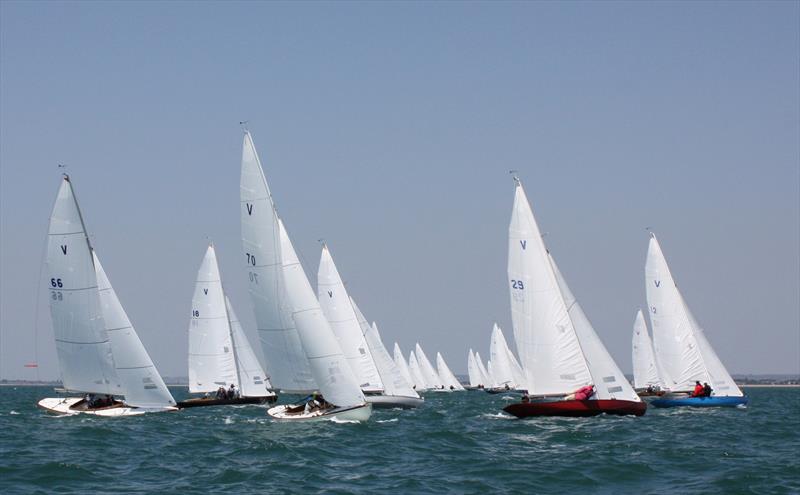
{"x":501,"y":366}
{"x":416,"y":373}
{"x":645,"y":370}
{"x":338,"y":309}
{"x":429,"y":374}
{"x":286,"y":363}
{"x":329,"y":367}
{"x":449,"y":380}
{"x":84,"y":351}
{"x":485,"y":377}
{"x":474,"y":373}
{"x":253,"y":381}
{"x":681,"y":348}
{"x":402,"y":365}
{"x":212,"y":363}
{"x":140,"y":381}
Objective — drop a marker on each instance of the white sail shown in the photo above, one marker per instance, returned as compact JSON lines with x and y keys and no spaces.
{"x":448,"y":378}
{"x":400,"y":361}
{"x":491,"y":382}
{"x":212,"y":363}
{"x":286,"y":363}
{"x":338,"y":309}
{"x":416,"y":373}
{"x":548,"y":346}
{"x":605,"y":375}
{"x":84,"y":351}
{"x":393,"y":381}
{"x":680,"y":344}
{"x":432,"y":379}
{"x":253,"y":381}
{"x":516,"y":369}
{"x":645,"y":370}
{"x":392,"y":378}
{"x":141,"y":384}
{"x":501,"y":366}
{"x":486,"y":379}
{"x":473,"y":371}
{"x":329,"y":367}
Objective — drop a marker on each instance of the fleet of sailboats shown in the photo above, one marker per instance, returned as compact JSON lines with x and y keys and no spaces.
{"x":320,"y":343}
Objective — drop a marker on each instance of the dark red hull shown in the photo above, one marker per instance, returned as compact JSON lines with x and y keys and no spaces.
{"x":576,"y":408}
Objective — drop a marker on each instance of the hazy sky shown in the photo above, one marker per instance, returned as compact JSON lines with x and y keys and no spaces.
{"x":388,"y":129}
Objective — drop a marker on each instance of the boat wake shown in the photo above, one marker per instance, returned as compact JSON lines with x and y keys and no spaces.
{"x":343,"y":421}
{"x":497,"y":416}
{"x":393,"y":420}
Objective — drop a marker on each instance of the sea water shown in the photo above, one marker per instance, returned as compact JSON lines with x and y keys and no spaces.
{"x":457,"y":443}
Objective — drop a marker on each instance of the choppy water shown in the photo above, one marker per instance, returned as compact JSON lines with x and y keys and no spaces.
{"x":455,"y":443}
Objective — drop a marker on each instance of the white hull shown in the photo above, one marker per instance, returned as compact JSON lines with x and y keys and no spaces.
{"x":63,"y":406}
{"x":356,"y":413}
{"x":391,"y":401}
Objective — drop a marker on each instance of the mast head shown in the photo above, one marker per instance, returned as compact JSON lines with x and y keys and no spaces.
{"x":515,"y":176}
{"x":243,"y":123}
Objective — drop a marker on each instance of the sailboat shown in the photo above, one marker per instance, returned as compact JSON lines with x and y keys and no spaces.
{"x":449,"y":380}
{"x":397,"y":391}
{"x":486,"y":380}
{"x":287,"y":366}
{"x":432,"y":379}
{"x":219,"y":352}
{"x":402,"y":365}
{"x":681,"y":347}
{"x":647,"y":379}
{"x":420,"y":385}
{"x":99,"y":352}
{"x":342,"y":396}
{"x":507,"y":373}
{"x":338,"y":309}
{"x":474,"y":373}
{"x":568,"y":370}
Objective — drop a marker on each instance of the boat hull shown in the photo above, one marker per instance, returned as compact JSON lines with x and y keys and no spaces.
{"x":206,"y":402}
{"x":699,"y":402}
{"x":356,"y":413}
{"x":576,"y":408}
{"x":503,"y":391}
{"x":394,"y":401}
{"x":71,"y":406}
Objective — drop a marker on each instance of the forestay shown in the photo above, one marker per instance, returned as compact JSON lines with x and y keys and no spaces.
{"x":140,"y":381}
{"x":546,"y":340}
{"x":212,"y":363}
{"x":285,"y":360}
{"x":680,"y":345}
{"x":645,"y":370}
{"x":448,"y":378}
{"x":84,"y":352}
{"x":338,"y":309}
{"x":329,"y":367}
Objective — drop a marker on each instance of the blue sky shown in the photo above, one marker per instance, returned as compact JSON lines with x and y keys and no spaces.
{"x":388,"y":129}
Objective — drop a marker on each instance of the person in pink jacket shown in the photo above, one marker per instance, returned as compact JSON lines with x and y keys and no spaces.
{"x":582,"y":393}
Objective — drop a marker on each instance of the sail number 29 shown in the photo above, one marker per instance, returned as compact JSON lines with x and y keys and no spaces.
{"x":517,"y":284}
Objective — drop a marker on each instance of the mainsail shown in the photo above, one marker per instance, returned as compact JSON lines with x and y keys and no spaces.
{"x":84,"y":351}
{"x":400,"y":361}
{"x":285,"y":360}
{"x":448,"y":378}
{"x":429,"y":374}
